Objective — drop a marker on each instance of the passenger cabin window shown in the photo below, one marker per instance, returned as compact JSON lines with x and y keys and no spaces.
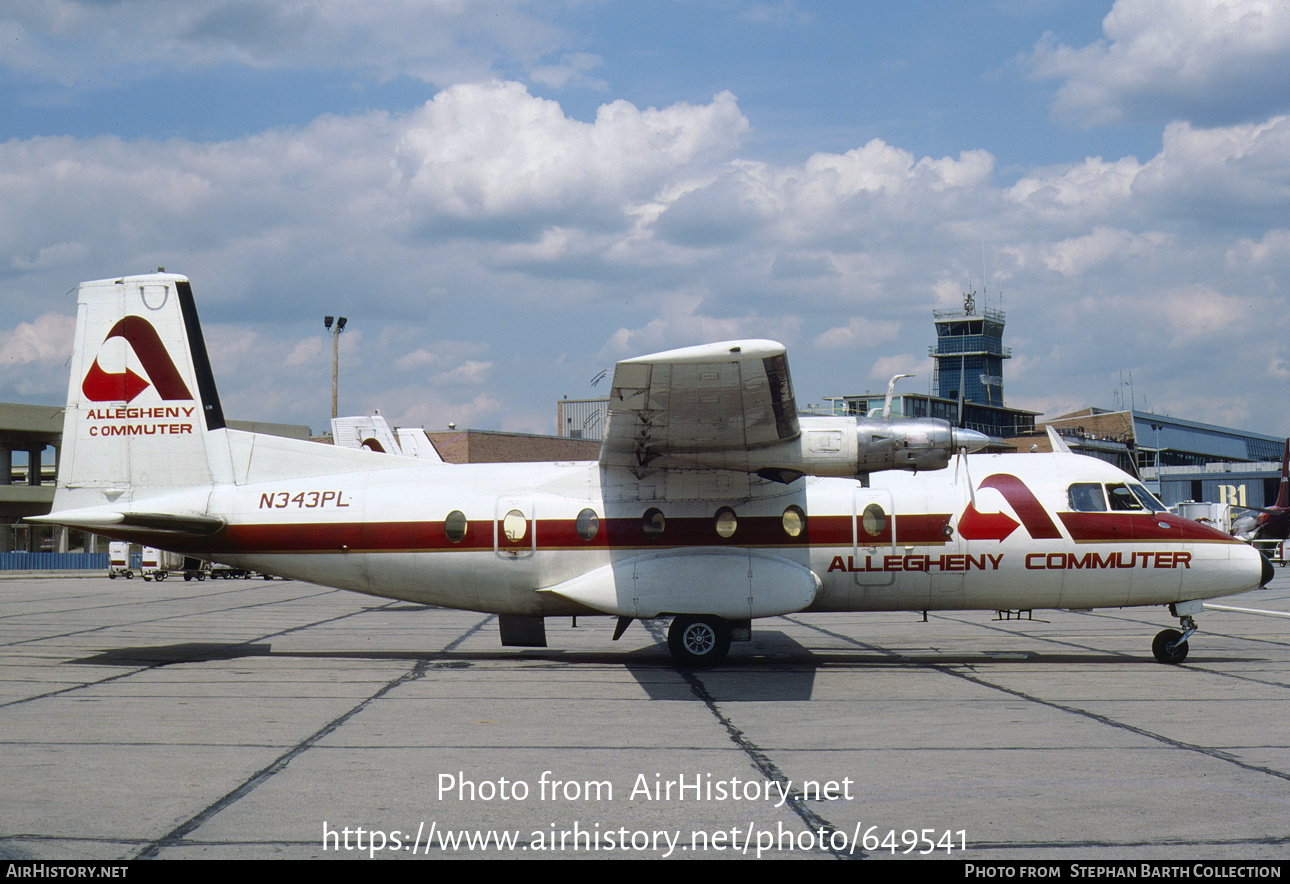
{"x":588,"y":524}
{"x":725,"y":522}
{"x":794,"y":521}
{"x":455,"y":526}
{"x":653,"y":523}
{"x":515,"y":525}
{"x":873,"y":520}
{"x":1086,"y":497}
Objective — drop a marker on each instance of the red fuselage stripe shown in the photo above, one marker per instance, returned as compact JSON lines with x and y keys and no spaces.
{"x":628,"y":533}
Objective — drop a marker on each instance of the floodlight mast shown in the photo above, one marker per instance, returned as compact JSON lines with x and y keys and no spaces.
{"x":335,"y":354}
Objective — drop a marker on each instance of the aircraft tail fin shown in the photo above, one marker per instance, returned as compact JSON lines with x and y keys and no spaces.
{"x":141,"y":402}
{"x":369,"y":431}
{"x":373,"y":433}
{"x":415,"y":443}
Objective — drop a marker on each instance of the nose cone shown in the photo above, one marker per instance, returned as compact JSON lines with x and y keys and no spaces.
{"x":1248,"y":569}
{"x":969,"y":439}
{"x":1218,"y":568}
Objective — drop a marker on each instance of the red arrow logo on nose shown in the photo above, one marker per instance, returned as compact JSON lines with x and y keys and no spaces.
{"x":975,"y":525}
{"x":996,"y":526}
{"x":103,"y":386}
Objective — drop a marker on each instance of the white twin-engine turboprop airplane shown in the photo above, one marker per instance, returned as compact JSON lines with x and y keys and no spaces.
{"x":712,"y":501}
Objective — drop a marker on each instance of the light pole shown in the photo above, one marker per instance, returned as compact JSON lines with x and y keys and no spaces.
{"x":335,"y":354}
{"x":1159,"y":486}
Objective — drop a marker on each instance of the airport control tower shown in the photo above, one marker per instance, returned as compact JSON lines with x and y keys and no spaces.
{"x":969,"y":353}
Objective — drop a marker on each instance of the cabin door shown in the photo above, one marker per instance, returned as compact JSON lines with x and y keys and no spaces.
{"x":873,"y":536}
{"x":515,"y":528}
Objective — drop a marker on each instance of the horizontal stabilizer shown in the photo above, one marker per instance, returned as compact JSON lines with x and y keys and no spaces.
{"x":188,"y":524}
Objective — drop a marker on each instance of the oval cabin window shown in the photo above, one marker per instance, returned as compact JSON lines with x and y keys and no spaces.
{"x":515,"y":525}
{"x":455,"y":526}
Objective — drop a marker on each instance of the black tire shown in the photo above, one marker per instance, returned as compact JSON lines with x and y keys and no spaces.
{"x":698,"y":641}
{"x":129,"y":575}
{"x":1169,"y":647}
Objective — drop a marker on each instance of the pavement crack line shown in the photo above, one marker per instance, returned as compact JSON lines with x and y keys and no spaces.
{"x":1216,"y":754}
{"x":161,"y":618}
{"x":177,"y":834}
{"x":760,"y":760}
{"x":133,"y":672}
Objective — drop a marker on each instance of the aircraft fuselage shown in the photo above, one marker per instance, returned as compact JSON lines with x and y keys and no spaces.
{"x":999,"y":533}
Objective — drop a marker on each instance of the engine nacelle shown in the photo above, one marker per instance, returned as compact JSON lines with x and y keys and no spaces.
{"x":911,"y":443}
{"x":849,"y":447}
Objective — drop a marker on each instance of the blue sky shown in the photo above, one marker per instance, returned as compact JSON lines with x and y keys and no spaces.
{"x":506,"y":197}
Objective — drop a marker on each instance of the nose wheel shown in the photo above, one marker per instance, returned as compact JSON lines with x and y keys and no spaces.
{"x":1170,"y":645}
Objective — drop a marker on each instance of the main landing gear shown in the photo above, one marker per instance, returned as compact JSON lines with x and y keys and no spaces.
{"x":1170,"y":645}
{"x":698,"y":640}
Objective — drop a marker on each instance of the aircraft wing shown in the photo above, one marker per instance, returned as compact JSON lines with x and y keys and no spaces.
{"x":708,"y":406}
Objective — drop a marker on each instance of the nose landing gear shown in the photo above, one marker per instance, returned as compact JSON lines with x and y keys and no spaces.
{"x":1170,"y":645}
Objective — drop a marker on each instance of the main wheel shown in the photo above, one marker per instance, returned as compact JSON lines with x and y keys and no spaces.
{"x":698,"y":641}
{"x":1169,"y":647}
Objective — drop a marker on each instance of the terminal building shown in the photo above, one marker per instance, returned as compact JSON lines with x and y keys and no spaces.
{"x":1179,"y":459}
{"x":581,"y":418}
{"x":31,"y":438}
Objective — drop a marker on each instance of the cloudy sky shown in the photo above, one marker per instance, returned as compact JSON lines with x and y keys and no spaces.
{"x":505,"y":197}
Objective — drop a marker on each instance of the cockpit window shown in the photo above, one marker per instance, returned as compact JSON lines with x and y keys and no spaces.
{"x":1086,"y":497}
{"x":1149,"y":500}
{"x":1122,"y":499}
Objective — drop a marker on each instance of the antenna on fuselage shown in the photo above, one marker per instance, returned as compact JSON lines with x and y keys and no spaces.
{"x":962,"y":459}
{"x":891,"y":389}
{"x":1056,"y":441}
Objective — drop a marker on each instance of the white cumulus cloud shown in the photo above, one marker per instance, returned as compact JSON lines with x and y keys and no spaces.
{"x":1208,"y":61}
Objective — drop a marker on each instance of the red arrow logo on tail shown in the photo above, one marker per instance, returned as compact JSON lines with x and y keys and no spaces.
{"x":975,"y":525}
{"x":103,"y":386}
